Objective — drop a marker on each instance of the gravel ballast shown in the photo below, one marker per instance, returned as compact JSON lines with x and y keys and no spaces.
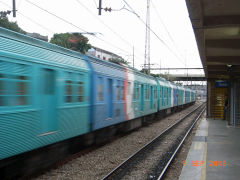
{"x":97,"y":163}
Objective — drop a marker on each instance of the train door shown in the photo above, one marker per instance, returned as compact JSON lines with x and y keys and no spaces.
{"x":142,"y":97}
{"x":109,"y":98}
{"x":151,"y":97}
{"x":48,"y":99}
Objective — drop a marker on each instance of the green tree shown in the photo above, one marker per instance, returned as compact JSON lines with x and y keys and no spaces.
{"x":145,"y":71}
{"x":118,"y":61}
{"x":73,"y":41}
{"x":4,"y":22}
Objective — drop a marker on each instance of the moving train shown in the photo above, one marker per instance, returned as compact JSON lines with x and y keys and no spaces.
{"x":49,"y":94}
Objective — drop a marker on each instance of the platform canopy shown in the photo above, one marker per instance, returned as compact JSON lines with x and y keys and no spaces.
{"x":216,"y":25}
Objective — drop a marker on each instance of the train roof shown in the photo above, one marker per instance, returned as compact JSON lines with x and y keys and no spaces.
{"x":40,"y":51}
{"x":101,"y":66}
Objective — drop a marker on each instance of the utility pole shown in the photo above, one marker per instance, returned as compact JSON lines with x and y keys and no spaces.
{"x":14,"y":8}
{"x":100,"y":7}
{"x":147,"y":39}
{"x":133,"y":56}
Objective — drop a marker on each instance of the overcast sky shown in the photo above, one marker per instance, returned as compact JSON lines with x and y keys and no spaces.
{"x":117,"y":31}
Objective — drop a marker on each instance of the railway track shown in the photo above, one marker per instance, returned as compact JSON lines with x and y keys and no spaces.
{"x":96,"y":163}
{"x":140,"y":159}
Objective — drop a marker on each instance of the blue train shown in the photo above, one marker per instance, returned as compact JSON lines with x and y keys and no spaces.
{"x":50,"y":94}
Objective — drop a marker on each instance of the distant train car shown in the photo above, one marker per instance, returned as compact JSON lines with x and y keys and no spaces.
{"x":164,"y":94}
{"x":187,"y":95}
{"x":175,"y":94}
{"x":180,"y":95}
{"x":193,"y":96}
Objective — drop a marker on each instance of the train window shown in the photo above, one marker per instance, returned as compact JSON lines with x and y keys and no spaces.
{"x":80,"y":88}
{"x":22,"y":90}
{"x":155,"y":93}
{"x":68,"y":92}
{"x":146,"y":92}
{"x":14,"y":84}
{"x":100,"y":89}
{"x":1,"y":90}
{"x":100,"y":92}
{"x":137,"y":92}
{"x":74,"y":88}
{"x":49,"y":82}
{"x":118,"y":91}
{"x":80,"y":92}
{"x":129,"y":88}
{"x":160,"y":92}
{"x":122,"y":91}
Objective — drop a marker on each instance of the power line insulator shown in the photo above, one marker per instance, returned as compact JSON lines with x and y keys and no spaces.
{"x":108,"y":9}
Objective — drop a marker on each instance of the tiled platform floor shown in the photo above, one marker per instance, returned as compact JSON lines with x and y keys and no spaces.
{"x":214,"y":153}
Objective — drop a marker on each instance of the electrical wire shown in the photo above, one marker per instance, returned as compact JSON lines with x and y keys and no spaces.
{"x":19,"y":12}
{"x":165,"y":27}
{"x":95,"y":3}
{"x":160,"y":39}
{"x":19,"y":4}
{"x":101,"y":21}
{"x":68,"y":22}
{"x":119,"y":36}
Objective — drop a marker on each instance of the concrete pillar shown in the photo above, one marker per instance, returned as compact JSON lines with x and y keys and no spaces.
{"x":208,"y":98}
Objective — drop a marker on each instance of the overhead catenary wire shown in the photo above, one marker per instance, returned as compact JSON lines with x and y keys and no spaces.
{"x":95,"y":3}
{"x":19,"y":4}
{"x":28,"y":18}
{"x":101,"y":21}
{"x":70,"y":23}
{"x":62,"y":19}
{"x":160,"y":39}
{"x":165,"y":27}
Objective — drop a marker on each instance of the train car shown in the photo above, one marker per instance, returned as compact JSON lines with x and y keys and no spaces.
{"x":144,"y":93}
{"x":180,"y":95}
{"x":44,"y":94}
{"x":164,"y":94}
{"x":119,"y":93}
{"x":108,"y":93}
{"x":187,"y":95}
{"x":174,"y":94}
{"x":193,"y":96}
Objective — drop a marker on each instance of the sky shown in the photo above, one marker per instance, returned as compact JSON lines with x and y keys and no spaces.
{"x":172,"y":44}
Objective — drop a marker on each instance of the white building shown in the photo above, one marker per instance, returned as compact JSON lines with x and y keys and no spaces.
{"x":101,"y":53}
{"x":38,"y":36}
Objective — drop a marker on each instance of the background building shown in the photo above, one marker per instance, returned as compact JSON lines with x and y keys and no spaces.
{"x":101,"y":53}
{"x":38,"y":36}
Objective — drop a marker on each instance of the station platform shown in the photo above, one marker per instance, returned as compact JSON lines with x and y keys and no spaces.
{"x":214,"y":153}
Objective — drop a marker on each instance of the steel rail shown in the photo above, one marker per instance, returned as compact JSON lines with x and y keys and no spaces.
{"x":179,"y":146}
{"x":148,"y":145}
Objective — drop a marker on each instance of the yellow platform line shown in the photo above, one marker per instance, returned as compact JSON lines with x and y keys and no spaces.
{"x":204,"y":167}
